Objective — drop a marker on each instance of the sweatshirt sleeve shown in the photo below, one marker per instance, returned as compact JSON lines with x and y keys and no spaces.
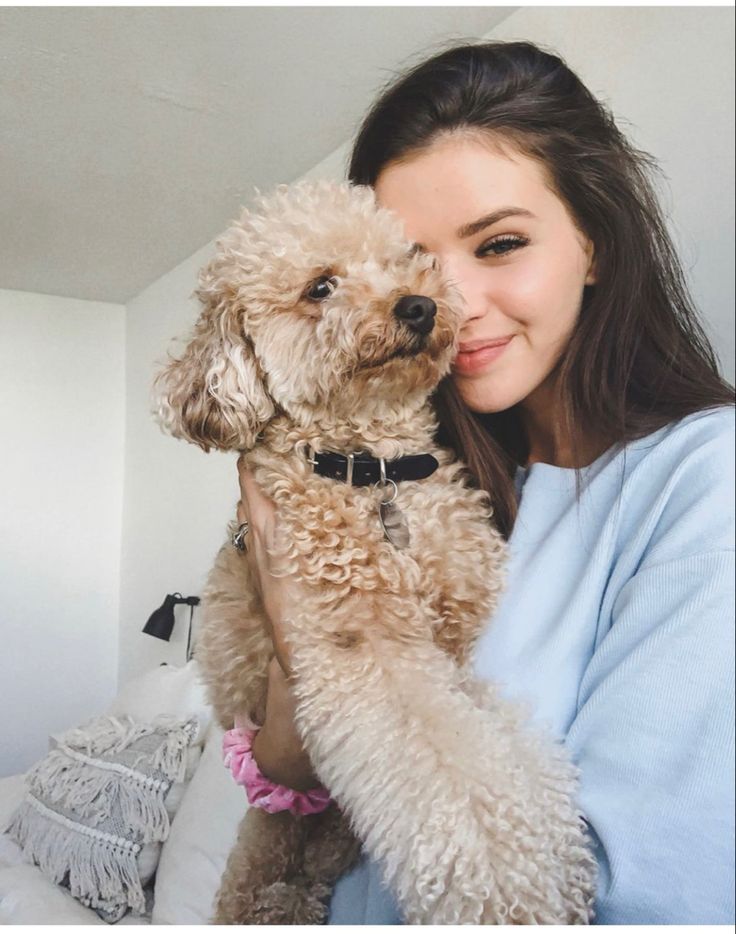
{"x":654,"y":730}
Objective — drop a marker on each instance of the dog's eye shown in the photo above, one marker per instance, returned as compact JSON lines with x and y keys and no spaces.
{"x":321,"y":288}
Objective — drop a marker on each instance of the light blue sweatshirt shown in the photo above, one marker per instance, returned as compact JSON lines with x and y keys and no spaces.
{"x":617,"y":629}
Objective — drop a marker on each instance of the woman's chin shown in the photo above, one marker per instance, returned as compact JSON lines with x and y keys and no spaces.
{"x":483,"y":398}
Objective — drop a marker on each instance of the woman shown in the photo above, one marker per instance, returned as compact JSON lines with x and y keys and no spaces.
{"x":586,"y":399}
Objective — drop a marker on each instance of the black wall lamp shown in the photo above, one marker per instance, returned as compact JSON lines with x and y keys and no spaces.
{"x":161,"y":622}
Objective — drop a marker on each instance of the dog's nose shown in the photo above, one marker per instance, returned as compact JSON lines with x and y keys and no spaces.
{"x":417,"y":311}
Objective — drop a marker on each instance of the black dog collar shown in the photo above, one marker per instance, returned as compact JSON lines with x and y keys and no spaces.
{"x":363,"y":469}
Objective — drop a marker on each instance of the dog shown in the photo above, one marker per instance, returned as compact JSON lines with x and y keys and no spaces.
{"x":322,"y":336}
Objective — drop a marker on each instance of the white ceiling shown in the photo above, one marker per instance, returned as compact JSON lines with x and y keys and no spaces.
{"x":131,"y":136}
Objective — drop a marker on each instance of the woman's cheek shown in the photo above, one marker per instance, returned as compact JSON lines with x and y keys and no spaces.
{"x":524,"y":290}
{"x":521,"y":297}
{"x":546,"y":298}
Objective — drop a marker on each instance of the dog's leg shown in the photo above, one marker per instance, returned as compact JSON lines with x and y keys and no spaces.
{"x":470,"y":811}
{"x":331,"y":849}
{"x":463,"y":581}
{"x":264,"y":881}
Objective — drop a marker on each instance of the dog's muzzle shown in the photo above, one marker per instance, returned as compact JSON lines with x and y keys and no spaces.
{"x":417,"y":312}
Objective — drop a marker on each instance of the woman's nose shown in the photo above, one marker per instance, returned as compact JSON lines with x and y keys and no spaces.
{"x":470,"y":286}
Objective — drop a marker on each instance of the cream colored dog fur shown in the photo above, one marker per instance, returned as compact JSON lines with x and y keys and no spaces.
{"x":470,"y":811}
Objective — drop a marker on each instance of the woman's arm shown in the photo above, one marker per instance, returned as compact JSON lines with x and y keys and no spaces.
{"x":654,"y":730}
{"x":654,"y":741}
{"x":277,"y":748}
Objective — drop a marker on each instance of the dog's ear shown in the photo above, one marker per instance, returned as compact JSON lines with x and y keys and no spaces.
{"x":214,"y":393}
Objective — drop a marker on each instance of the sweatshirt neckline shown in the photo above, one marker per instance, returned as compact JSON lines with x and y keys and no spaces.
{"x":551,"y":476}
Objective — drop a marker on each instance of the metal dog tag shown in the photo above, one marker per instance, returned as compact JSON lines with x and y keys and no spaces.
{"x":393,"y":520}
{"x":394,"y":525}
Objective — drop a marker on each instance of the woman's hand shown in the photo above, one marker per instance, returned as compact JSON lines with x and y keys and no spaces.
{"x":277,"y":748}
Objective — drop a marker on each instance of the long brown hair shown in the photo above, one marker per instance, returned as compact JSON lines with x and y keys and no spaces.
{"x":660,"y":367}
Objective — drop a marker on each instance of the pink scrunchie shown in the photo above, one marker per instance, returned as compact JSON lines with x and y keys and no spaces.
{"x":237,"y":746}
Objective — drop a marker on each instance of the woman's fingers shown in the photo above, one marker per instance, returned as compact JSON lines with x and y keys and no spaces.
{"x":242,"y":513}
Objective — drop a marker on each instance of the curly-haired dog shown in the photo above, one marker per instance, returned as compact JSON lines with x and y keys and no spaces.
{"x":323,"y":332}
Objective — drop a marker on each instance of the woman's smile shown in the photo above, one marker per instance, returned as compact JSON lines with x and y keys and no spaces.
{"x":475,"y":356}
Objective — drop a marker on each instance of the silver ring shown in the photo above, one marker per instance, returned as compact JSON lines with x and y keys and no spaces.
{"x":394,"y":492}
{"x":238,"y":538}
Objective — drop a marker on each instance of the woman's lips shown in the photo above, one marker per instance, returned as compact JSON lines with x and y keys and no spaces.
{"x":475,"y":358}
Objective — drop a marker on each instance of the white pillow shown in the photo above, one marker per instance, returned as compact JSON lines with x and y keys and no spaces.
{"x":28,"y":897}
{"x":172,"y":690}
{"x":201,"y":837}
{"x":95,"y":811}
{"x":165,"y":690}
{"x":12,"y":790}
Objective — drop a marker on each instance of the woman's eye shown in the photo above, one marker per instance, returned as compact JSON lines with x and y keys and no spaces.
{"x":501,"y":246}
{"x":321,"y":288}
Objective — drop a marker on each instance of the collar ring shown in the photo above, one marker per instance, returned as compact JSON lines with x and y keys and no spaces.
{"x":394,"y":491}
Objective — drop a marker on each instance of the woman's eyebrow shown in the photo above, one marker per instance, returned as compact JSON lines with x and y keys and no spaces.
{"x":467,"y":230}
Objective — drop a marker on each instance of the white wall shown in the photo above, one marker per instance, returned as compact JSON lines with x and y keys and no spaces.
{"x":61,"y":481}
{"x":178,"y":500}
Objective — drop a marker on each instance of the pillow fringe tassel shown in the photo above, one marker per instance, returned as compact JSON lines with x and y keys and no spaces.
{"x":91,"y":789}
{"x":97,"y":866}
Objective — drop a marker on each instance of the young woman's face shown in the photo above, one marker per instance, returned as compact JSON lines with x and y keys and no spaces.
{"x":521,"y":275}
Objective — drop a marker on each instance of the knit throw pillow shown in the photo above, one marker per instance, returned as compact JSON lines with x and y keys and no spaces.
{"x":94,"y":813}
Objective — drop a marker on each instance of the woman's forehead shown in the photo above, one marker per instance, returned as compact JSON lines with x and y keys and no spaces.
{"x":457,"y":181}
